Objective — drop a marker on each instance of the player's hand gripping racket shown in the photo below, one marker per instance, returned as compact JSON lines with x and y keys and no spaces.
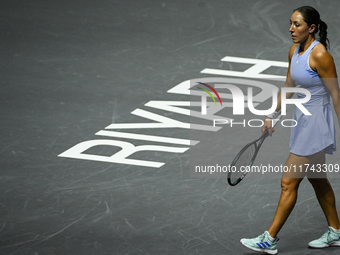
{"x":246,"y":157}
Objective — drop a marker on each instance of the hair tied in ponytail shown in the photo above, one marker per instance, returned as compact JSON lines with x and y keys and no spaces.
{"x":312,"y":16}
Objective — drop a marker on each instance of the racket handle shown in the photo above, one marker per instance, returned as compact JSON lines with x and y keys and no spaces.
{"x":277,"y":116}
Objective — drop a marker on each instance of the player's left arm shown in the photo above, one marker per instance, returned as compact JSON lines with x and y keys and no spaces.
{"x":324,"y":64}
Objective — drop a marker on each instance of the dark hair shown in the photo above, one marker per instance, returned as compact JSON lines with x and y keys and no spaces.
{"x":312,"y":16}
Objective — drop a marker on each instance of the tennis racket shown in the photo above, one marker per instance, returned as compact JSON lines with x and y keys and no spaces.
{"x":246,"y":157}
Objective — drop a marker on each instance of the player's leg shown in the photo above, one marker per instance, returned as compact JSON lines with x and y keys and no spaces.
{"x":326,"y":198}
{"x":290,"y":182}
{"x":325,"y":195}
{"x":289,"y":189}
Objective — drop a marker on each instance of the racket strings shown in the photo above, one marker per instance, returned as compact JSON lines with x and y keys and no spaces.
{"x":244,"y":160}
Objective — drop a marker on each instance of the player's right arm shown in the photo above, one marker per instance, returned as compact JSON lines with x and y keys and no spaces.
{"x":289,"y":83}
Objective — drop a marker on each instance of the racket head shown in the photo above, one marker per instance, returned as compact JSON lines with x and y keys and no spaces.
{"x":244,"y":158}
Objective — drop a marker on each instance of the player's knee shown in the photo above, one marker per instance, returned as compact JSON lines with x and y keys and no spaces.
{"x":289,"y":184}
{"x":319,"y":183}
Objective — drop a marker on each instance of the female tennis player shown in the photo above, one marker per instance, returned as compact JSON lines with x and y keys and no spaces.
{"x":311,"y":67}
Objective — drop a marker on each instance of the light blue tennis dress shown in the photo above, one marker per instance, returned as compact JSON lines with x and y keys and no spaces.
{"x":316,"y":132}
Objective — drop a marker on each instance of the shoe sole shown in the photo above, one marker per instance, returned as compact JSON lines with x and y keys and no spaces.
{"x":333,"y":244}
{"x":260,"y":250}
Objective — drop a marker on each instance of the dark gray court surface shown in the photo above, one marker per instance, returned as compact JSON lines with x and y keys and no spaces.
{"x":69,"y":69}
